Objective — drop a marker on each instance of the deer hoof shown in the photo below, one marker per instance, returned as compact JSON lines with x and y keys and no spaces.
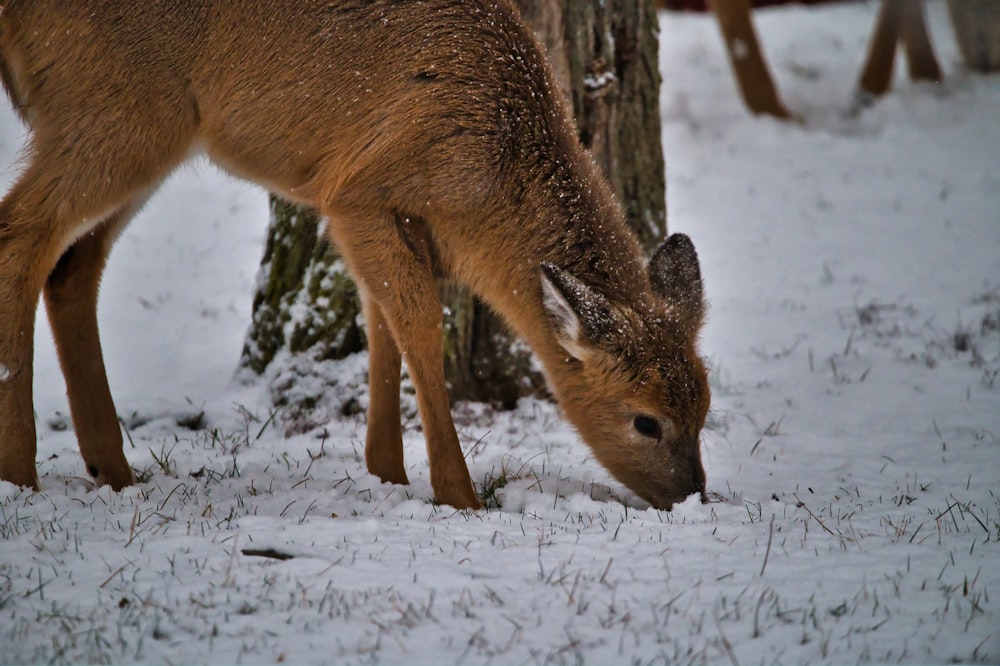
{"x":118,"y":475}
{"x":460,"y":498}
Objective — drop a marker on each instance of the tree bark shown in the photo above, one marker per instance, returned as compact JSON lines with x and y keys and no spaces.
{"x":605,"y":56}
{"x":305,"y":301}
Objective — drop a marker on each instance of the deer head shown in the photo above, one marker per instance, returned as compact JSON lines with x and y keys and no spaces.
{"x":633,"y":384}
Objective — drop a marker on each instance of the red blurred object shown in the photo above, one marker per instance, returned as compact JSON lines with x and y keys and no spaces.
{"x":699,"y":5}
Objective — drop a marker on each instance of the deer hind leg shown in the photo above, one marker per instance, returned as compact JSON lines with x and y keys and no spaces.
{"x":23,"y":259}
{"x":390,"y":258}
{"x":384,"y":439}
{"x":71,"y":302}
{"x":33,"y":234}
{"x":923,"y":63}
{"x":876,"y":74}
{"x":72,"y":185}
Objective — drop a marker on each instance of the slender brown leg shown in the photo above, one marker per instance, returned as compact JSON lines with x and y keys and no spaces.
{"x":424,"y":357}
{"x":22,"y":272}
{"x":32,"y":235}
{"x":920,"y":56}
{"x":75,"y":180}
{"x":876,"y":75}
{"x":384,"y":439}
{"x":395,"y":268}
{"x":746,"y":58}
{"x":71,"y":302}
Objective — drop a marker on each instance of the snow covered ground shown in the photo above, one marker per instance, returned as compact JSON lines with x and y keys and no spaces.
{"x":853,"y":458}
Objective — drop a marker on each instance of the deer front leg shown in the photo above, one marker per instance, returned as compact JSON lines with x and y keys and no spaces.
{"x":876,"y":75}
{"x":423,"y":351}
{"x":71,"y":302}
{"x":746,"y":56}
{"x":389,"y":256}
{"x":917,"y":42}
{"x":384,"y":439}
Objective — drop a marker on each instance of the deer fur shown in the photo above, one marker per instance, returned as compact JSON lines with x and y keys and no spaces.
{"x":431,"y":136}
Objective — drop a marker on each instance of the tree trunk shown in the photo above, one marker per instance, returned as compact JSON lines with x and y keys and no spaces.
{"x":305,"y":301}
{"x":605,"y":57}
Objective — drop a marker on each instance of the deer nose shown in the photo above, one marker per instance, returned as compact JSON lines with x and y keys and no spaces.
{"x":694,"y":484}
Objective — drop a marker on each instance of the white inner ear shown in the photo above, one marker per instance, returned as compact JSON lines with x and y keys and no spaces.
{"x":568,"y":326}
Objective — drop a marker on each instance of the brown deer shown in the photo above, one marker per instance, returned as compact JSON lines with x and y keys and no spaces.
{"x":899,"y":21}
{"x":431,"y":136}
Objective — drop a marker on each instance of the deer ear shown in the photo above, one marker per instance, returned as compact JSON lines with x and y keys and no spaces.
{"x":676,"y":277}
{"x":581,"y":315}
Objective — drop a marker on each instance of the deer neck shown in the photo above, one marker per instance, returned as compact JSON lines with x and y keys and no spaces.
{"x":572,"y":220}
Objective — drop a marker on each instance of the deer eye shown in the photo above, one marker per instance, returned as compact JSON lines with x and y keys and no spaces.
{"x":647,"y":426}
